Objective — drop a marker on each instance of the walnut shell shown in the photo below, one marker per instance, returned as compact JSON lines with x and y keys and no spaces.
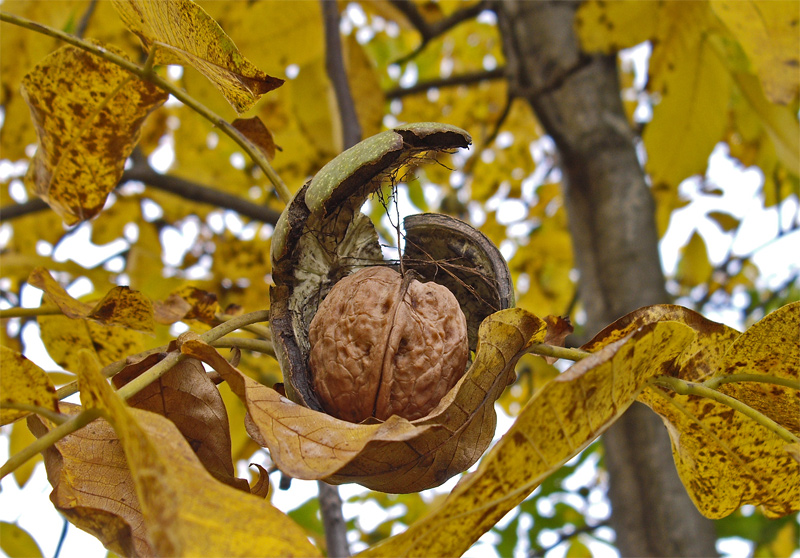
{"x":382,"y":346}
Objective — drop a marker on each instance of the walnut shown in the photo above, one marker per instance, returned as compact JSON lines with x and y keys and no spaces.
{"x":383,"y":345}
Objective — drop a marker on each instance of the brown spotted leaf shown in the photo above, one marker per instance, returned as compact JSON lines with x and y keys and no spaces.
{"x":88,"y":114}
{"x":561,"y":419}
{"x":724,"y":458}
{"x":396,"y":455}
{"x":192,"y":402}
{"x":23,"y":382}
{"x":184,"y":33}
{"x":126,"y":307}
{"x":186,"y":511}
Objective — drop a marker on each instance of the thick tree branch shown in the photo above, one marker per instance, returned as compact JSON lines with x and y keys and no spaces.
{"x":330,"y":507}
{"x":431,"y":30}
{"x":452,"y":81}
{"x":330,"y":503}
{"x":142,"y":172}
{"x":334,"y":65}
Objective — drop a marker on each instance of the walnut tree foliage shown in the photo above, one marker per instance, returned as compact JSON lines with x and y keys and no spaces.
{"x":251,"y":102}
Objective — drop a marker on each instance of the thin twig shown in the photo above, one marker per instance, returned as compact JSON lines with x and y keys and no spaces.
{"x":691,"y":388}
{"x":245,"y":343}
{"x":53,"y":416}
{"x":452,"y":81}
{"x":252,"y":150}
{"x":430,"y":30}
{"x":19,"y":312}
{"x":541,"y":552}
{"x":335,"y":67}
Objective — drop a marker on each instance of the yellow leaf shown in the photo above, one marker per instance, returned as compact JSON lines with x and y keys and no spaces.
{"x":17,"y":543}
{"x":694,"y":268}
{"x":395,"y":455}
{"x":768,"y":34}
{"x":694,"y":88}
{"x":182,"y":32}
{"x":562,"y":418}
{"x":20,"y":438}
{"x":64,"y":338}
{"x":88,"y":114}
{"x":23,"y":382}
{"x":724,"y":458}
{"x":41,"y":279}
{"x":185,"y":510}
{"x":125,"y":307}
{"x":364,"y":86}
{"x":612,"y":26}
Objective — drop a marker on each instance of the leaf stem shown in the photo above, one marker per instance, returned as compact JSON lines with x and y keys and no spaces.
{"x":246,"y":343}
{"x":143,"y":72}
{"x":544,"y":349}
{"x":149,"y":376}
{"x":715,"y":382}
{"x":691,"y":388}
{"x":55,"y":417}
{"x":54,"y":435}
{"x":19,"y":312}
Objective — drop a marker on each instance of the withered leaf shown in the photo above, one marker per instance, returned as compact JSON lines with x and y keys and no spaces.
{"x":88,"y":114}
{"x":192,"y":402}
{"x":92,"y":485}
{"x":397,"y":455}
{"x":126,"y":307}
{"x":255,"y":130}
{"x":185,"y":510}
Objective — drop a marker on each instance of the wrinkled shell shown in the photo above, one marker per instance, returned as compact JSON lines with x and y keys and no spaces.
{"x":377,"y":351}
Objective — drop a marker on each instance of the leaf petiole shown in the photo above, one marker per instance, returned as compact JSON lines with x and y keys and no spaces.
{"x":54,"y":435}
{"x":715,"y":382}
{"x":692,"y":388}
{"x":543,"y":349}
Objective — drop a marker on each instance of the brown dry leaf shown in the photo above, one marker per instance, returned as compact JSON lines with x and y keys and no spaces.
{"x":255,"y":130}
{"x":261,"y":486}
{"x":561,"y":419}
{"x":396,"y":455}
{"x":23,"y":382}
{"x":125,"y":307}
{"x":184,"y":33}
{"x":172,"y":310}
{"x":88,"y":113}
{"x":724,"y":458}
{"x":192,"y":402}
{"x":41,"y":279}
{"x":185,"y":510}
{"x":558,"y":329}
{"x":92,"y":485}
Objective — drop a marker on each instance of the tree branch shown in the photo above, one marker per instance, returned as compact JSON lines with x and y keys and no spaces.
{"x":141,"y":171}
{"x":452,"y":81}
{"x":337,"y":73}
{"x":330,"y":506}
{"x":431,"y":30}
{"x":330,"y":503}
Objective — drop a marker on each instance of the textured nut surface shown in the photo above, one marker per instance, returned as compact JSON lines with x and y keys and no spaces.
{"x":381,"y":346}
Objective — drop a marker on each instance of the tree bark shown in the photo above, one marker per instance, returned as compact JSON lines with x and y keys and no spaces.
{"x":576,"y":97}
